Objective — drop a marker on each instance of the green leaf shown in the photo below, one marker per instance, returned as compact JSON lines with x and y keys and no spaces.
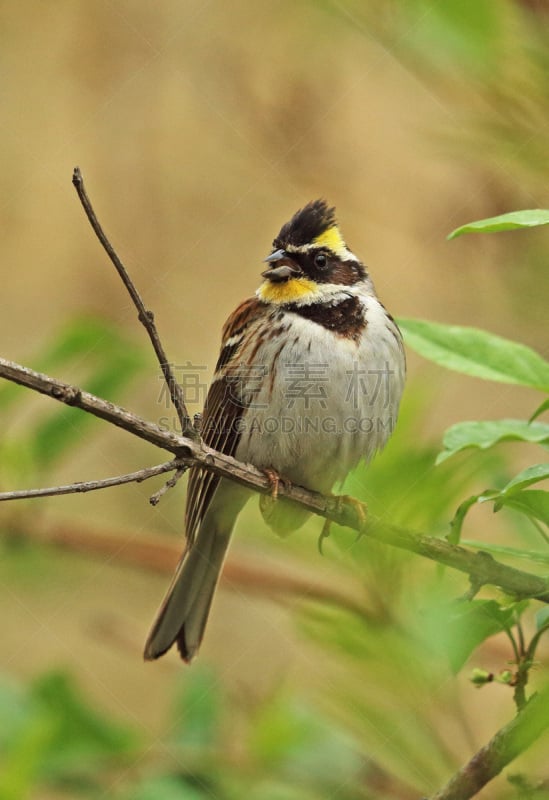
{"x":533,"y":502}
{"x":528,"y":218}
{"x":542,"y":618}
{"x":461,"y":627}
{"x":477,"y":353}
{"x":539,"y":410}
{"x":486,"y":434}
{"x":528,"y":476}
{"x":505,"y":550}
{"x":459,"y":518}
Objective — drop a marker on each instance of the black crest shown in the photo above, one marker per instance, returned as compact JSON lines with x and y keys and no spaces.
{"x":306,"y":224}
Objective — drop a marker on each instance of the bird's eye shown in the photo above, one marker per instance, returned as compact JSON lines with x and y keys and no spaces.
{"x":321,"y":260}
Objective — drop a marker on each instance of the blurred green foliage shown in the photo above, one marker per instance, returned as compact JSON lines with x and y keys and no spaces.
{"x":50,"y":736}
{"x":491,"y":57}
{"x":98,"y":357}
{"x":53,"y":740}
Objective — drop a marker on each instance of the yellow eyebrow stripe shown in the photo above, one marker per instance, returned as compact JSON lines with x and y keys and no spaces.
{"x":332,"y":239}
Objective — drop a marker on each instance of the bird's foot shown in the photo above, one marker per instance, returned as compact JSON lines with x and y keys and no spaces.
{"x":276,"y":512}
{"x":275,"y":480}
{"x":360,"y":508}
{"x":340,"y":501}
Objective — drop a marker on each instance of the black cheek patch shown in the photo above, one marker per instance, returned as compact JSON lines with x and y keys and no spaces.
{"x":342,"y":273}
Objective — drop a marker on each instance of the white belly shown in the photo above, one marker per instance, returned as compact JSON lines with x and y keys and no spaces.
{"x":332,"y":403}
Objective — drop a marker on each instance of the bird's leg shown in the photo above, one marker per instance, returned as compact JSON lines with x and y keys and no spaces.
{"x":274,"y":479}
{"x":360,"y":508}
{"x":269,"y":503}
{"x":340,"y":501}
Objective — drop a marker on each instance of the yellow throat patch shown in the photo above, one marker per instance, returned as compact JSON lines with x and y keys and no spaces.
{"x":286,"y":292}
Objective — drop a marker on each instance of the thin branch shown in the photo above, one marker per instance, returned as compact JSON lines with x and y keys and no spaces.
{"x":92,"y":486}
{"x":145,"y":316}
{"x":532,"y":647}
{"x":481,"y":567}
{"x":157,"y":496}
{"x":74,"y":396}
{"x":523,"y":666}
{"x":509,"y":742}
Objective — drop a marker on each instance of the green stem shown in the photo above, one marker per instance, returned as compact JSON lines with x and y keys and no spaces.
{"x":509,"y":742}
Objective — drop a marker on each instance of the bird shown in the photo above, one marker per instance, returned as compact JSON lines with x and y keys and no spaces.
{"x":307,"y":384}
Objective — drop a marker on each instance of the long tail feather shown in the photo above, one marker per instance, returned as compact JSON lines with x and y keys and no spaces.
{"x":184,"y":612}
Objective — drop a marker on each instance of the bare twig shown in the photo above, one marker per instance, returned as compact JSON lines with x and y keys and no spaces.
{"x":511,"y":740}
{"x":92,"y":486}
{"x":145,"y":316}
{"x":481,"y":567}
{"x":157,"y":496}
{"x":73,"y":396}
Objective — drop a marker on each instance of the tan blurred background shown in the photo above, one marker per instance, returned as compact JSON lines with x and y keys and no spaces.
{"x":200,"y":127}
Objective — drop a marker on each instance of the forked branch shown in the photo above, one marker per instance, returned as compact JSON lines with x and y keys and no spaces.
{"x":81,"y":487}
{"x":145,"y":316}
{"x":481,"y":567}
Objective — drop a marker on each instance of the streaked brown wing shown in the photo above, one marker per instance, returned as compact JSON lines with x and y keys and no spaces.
{"x":222,"y":413}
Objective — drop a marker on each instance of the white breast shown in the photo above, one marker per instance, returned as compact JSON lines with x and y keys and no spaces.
{"x":329,"y":401}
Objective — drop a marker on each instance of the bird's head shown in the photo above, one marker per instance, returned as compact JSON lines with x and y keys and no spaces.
{"x":309,"y":259}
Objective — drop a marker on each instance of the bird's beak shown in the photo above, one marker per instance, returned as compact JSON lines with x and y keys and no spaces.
{"x":281,"y":267}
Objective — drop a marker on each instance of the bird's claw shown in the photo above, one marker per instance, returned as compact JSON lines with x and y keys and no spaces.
{"x":275,"y":480}
{"x":324,"y":534}
{"x":340,"y":501}
{"x":359,"y":507}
